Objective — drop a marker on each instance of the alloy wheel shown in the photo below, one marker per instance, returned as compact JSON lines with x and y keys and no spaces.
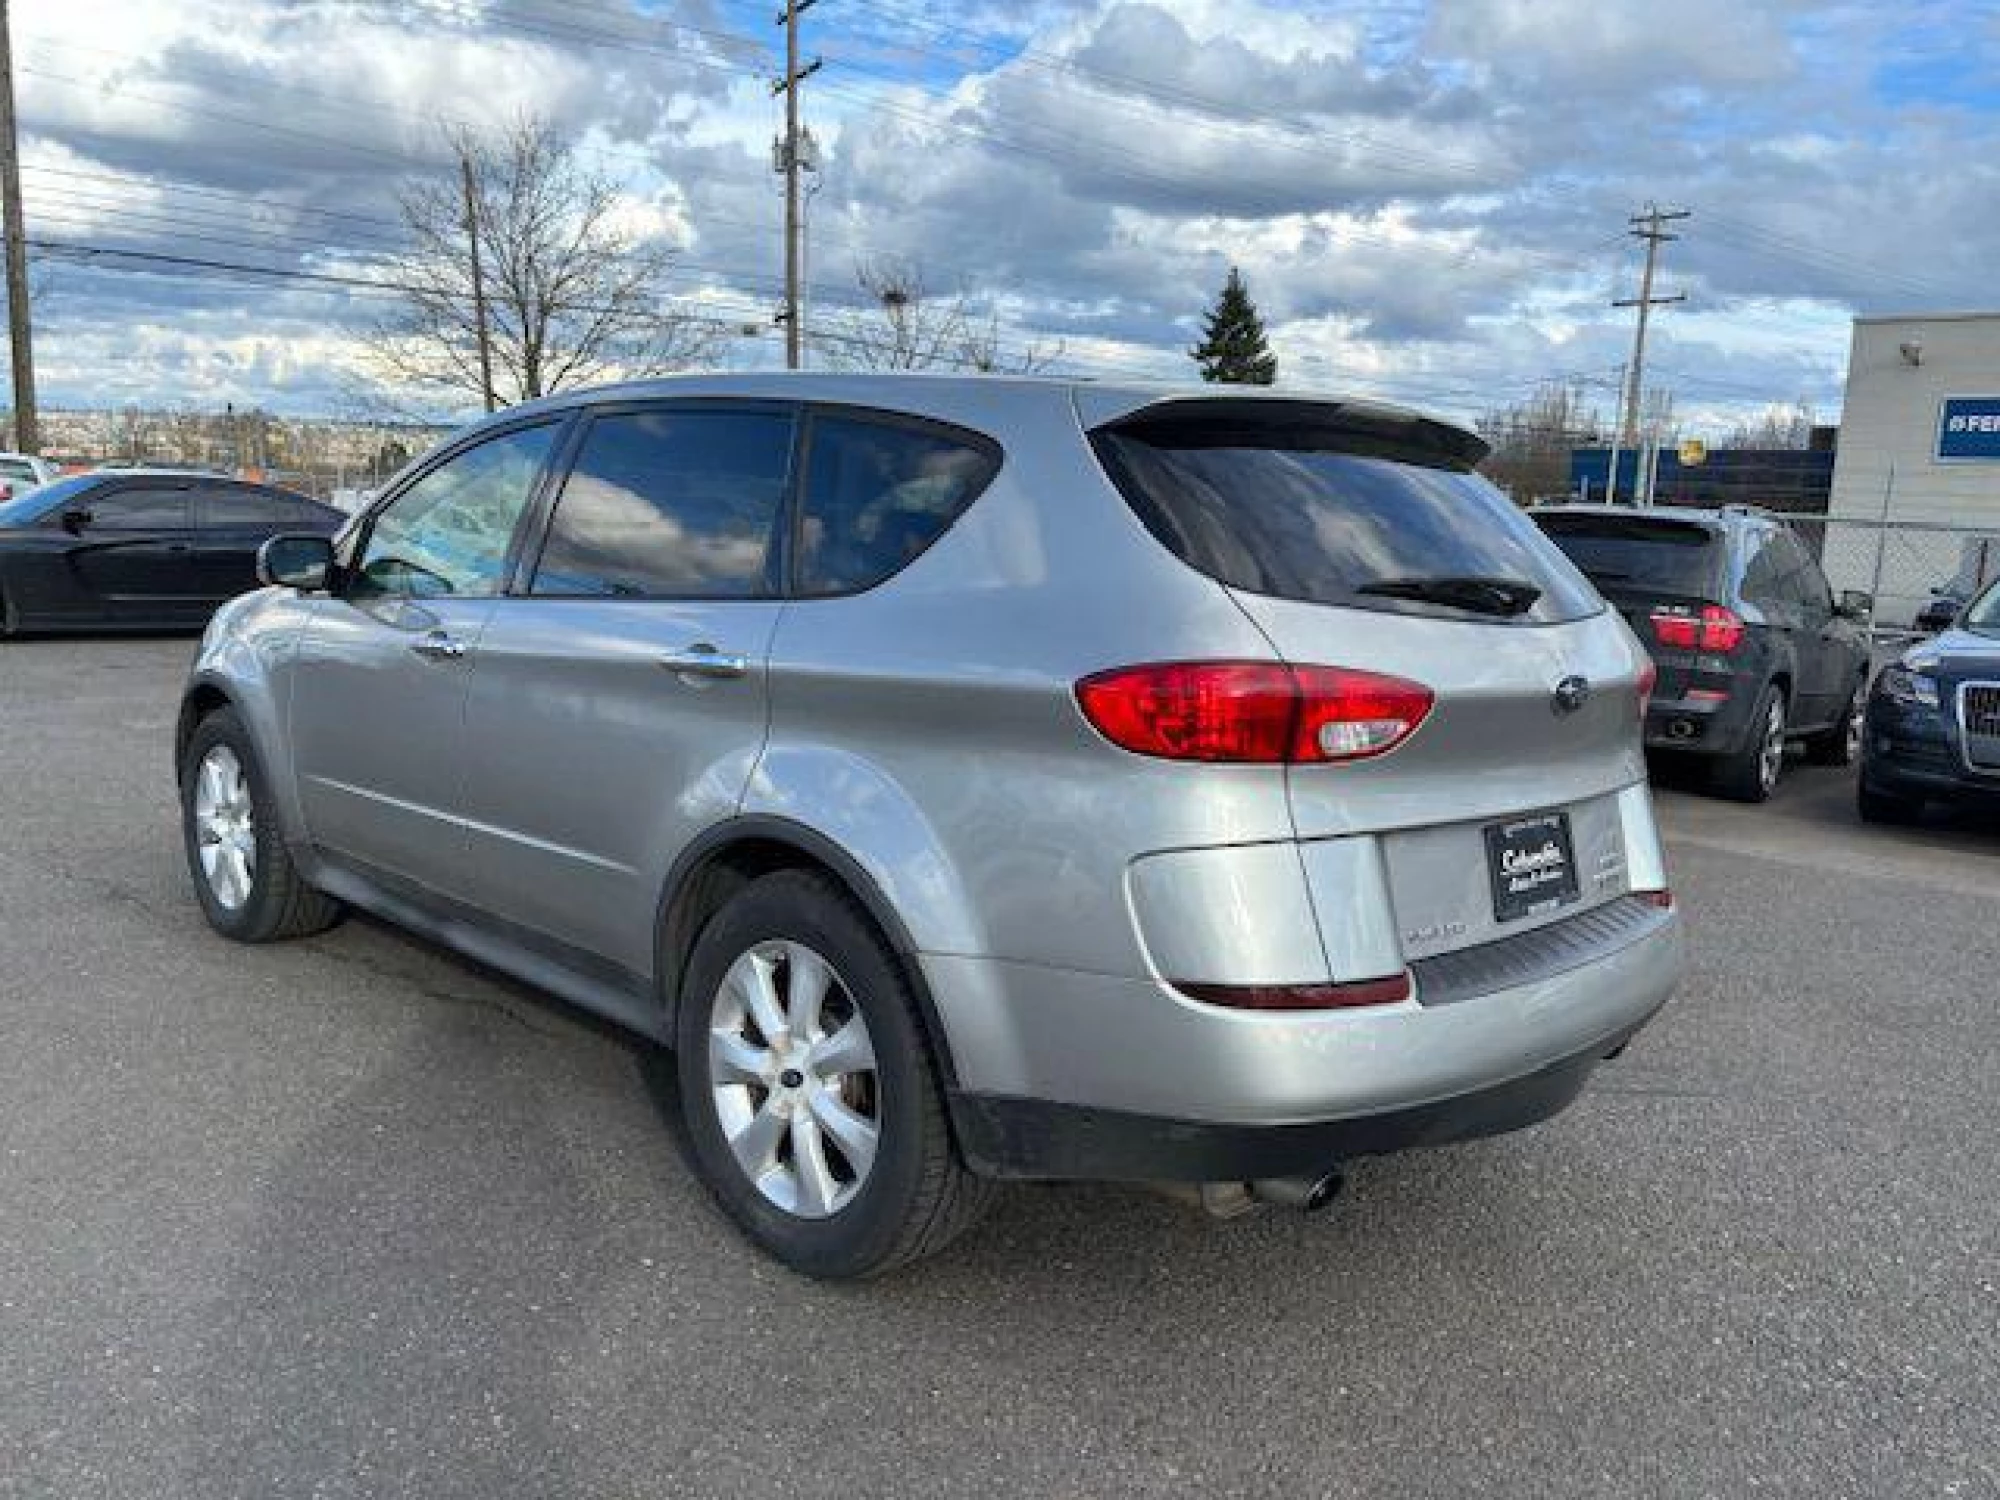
{"x":225,"y":827}
{"x":793,"y":1080}
{"x":1771,"y":759}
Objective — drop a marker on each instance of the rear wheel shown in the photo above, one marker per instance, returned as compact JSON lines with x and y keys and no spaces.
{"x":1840,"y":745}
{"x":811,"y":1096}
{"x":1885,"y":807}
{"x":1751,"y":773}
{"x":244,"y":877}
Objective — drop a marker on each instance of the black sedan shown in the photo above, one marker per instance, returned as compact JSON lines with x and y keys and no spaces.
{"x":1933,"y":727}
{"x":138,"y":550}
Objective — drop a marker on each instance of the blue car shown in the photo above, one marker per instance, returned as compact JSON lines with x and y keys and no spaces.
{"x":1933,"y":728}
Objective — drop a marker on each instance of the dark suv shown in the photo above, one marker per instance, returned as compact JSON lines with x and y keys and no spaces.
{"x":1752,"y":649}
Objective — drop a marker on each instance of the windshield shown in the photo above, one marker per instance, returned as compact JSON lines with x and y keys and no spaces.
{"x":1295,"y":517}
{"x":1639,"y":553}
{"x":1983,"y":614}
{"x":25,"y":510}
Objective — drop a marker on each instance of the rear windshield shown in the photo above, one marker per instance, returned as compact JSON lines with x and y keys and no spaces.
{"x":1639,"y":553}
{"x":1320,"y":523}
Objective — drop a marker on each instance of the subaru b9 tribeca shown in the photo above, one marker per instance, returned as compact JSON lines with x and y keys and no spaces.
{"x":968,"y":779}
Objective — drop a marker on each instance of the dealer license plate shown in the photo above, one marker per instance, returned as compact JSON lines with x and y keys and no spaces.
{"x":1531,"y":864}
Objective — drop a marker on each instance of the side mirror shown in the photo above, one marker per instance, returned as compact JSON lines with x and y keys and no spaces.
{"x":75,"y":519}
{"x":296,"y":562}
{"x":1855,"y":604}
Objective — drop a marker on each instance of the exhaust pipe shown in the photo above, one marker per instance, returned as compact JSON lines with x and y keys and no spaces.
{"x":1232,"y":1200}
{"x":1306,"y":1194}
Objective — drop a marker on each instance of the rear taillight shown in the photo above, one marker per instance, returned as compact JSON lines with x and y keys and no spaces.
{"x":1714,"y":629}
{"x":1262,"y":713}
{"x":1649,"y":678}
{"x":1393,"y":989}
{"x":1662,"y":899}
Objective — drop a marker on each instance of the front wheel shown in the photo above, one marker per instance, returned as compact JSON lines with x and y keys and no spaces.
{"x":812,"y":1101}
{"x":1751,"y":773}
{"x":244,"y":877}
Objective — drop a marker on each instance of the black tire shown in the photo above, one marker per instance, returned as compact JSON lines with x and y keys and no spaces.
{"x":279,"y":904}
{"x":1747,"y":774}
{"x":1840,"y":745}
{"x":1885,"y":807}
{"x":916,"y":1196}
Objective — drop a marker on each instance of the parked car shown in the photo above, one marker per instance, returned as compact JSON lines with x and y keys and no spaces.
{"x":1753,"y":651}
{"x":137,"y":549}
{"x":1933,"y":728}
{"x":968,"y":779}
{"x":1937,"y":615}
{"x":21,"y":472}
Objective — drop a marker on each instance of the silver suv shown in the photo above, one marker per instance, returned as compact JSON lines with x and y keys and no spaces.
{"x":968,"y":779}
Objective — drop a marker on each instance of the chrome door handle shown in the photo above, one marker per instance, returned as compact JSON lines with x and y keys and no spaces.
{"x":706,"y":661}
{"x":437,"y":646}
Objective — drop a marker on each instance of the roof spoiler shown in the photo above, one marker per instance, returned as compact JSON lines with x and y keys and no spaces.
{"x":1283,"y":422}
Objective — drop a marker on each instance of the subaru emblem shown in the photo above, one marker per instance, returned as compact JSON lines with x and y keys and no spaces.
{"x":1571,"y":694}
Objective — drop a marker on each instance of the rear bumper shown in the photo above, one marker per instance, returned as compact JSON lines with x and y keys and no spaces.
{"x":1070,"y":1075}
{"x":1701,"y":726}
{"x":1033,"y":1138}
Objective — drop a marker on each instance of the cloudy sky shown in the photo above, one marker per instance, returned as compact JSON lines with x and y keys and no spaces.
{"x":1428,"y":197}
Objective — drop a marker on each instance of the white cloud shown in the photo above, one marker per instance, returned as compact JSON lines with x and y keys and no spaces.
{"x":1426,"y":194}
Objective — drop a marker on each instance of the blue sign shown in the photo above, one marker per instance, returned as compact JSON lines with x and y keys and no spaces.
{"x":1969,"y":428}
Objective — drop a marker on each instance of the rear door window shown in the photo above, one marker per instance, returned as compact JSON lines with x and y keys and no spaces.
{"x":1640,"y":554}
{"x":670,"y":504}
{"x":877,"y":494}
{"x":238,"y":507}
{"x":1305,"y":514}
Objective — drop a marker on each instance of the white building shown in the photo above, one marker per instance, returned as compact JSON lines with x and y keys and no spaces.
{"x":1919,"y":448}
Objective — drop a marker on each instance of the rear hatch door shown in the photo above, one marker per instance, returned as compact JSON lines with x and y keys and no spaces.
{"x":1647,"y":565}
{"x":1366,"y":546}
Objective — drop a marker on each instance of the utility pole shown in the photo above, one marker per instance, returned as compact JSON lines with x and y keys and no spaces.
{"x":478,"y":279}
{"x":1617,"y":433}
{"x":1647,"y":226}
{"x":789,"y":163}
{"x":20,"y":337}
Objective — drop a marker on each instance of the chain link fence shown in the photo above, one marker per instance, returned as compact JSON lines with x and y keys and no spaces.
{"x":1903,"y":565}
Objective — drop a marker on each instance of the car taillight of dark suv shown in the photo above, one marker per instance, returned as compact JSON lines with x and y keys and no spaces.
{"x":1752,"y":649}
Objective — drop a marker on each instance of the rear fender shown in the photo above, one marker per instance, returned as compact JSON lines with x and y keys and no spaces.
{"x":854,"y":805}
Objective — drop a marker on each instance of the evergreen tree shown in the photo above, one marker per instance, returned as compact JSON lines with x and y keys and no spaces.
{"x":1232,"y":350}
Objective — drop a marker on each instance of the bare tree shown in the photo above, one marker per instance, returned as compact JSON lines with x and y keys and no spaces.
{"x":187,"y":434}
{"x":1778,"y":427}
{"x":905,"y":328}
{"x":573,"y":295}
{"x":1532,"y":440}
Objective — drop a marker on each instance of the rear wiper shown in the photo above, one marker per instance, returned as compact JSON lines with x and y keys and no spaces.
{"x":1486,"y":596}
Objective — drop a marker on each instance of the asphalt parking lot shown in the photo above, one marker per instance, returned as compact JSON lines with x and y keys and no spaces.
{"x":354,"y":1218}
